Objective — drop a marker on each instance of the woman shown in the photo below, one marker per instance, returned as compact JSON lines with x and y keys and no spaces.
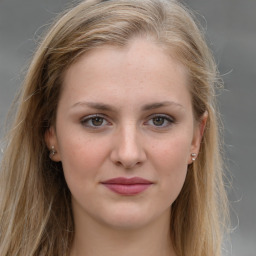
{"x":114,"y":149}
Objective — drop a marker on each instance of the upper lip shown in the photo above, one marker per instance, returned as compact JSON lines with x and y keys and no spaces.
{"x":127,"y":181}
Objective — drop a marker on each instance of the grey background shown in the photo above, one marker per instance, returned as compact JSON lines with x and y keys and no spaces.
{"x":231,"y":32}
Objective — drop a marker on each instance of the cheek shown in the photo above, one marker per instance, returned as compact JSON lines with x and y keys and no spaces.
{"x":82,"y":160}
{"x":81,"y":157}
{"x":172,"y":151}
{"x":170,"y":161}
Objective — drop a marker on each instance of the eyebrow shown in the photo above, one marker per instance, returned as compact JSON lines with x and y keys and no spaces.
{"x":161,"y":104}
{"x":106,"y":107}
{"x":95,"y":105}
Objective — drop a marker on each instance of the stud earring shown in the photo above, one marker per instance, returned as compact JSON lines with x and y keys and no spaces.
{"x":52,"y":152}
{"x":193,"y":155}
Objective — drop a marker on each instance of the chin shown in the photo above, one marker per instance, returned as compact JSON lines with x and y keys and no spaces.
{"x":130,"y":218}
{"x":126,"y":222}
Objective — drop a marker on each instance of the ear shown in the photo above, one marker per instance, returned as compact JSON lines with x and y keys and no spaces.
{"x":198,"y":135}
{"x":52,"y":142}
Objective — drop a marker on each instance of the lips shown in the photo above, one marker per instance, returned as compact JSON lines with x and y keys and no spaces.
{"x":127,"y":186}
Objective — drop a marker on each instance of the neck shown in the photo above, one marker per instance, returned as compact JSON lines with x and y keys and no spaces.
{"x":94,"y":239}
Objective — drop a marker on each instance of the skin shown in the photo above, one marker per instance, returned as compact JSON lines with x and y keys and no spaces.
{"x":144,"y":128}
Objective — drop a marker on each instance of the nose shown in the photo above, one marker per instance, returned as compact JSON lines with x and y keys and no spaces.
{"x":128,"y":150}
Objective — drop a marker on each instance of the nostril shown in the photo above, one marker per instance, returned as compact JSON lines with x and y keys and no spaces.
{"x":118,"y":163}
{"x":129,"y":165}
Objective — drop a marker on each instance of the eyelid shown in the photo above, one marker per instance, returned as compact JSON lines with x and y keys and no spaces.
{"x":162,"y":115}
{"x":89,"y":117}
{"x":169,"y":118}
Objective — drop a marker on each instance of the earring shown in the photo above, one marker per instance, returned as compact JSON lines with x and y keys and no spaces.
{"x":193,"y":155}
{"x":52,"y":152}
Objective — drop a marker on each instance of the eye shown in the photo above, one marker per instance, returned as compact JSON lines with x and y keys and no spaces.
{"x":161,"y":121}
{"x":94,"y":121}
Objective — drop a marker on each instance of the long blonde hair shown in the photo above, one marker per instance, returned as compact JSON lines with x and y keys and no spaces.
{"x":35,"y":208}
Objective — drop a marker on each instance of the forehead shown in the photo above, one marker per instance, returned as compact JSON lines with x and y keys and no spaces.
{"x":140,"y":70}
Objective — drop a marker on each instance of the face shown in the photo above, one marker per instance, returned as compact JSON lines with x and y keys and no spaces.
{"x":124,"y":134}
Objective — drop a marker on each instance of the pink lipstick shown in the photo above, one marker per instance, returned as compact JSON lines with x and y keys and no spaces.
{"x":127,"y":186}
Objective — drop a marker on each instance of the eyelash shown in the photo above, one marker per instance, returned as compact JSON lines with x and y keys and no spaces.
{"x":166,"y":118}
{"x":89,"y":118}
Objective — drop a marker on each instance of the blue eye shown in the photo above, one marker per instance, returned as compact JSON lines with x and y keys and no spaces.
{"x":94,"y":121}
{"x":161,"y":121}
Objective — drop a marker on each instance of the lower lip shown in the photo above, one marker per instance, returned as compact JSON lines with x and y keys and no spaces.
{"x":128,"y":189}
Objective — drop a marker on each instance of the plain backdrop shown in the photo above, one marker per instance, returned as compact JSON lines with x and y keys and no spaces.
{"x":230,"y":27}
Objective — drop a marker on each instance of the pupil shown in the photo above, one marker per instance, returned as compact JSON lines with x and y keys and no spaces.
{"x":97,"y":121}
{"x":158,"y":121}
